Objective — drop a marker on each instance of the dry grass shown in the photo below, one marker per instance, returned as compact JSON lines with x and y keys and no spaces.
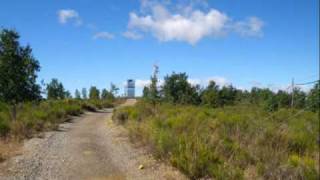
{"x":9,"y":148}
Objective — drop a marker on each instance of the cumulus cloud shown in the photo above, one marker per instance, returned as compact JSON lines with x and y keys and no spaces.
{"x":103,"y":35}
{"x":188,"y":24}
{"x":69,"y":15}
{"x":167,"y":27}
{"x":132,"y":35}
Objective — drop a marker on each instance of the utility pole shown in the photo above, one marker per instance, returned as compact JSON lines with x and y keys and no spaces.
{"x":292,"y":92}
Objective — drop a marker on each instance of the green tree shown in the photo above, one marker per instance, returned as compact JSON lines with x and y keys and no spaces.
{"x":114,"y":89}
{"x":210,"y":95}
{"x":67,"y":95}
{"x":260,"y":96}
{"x":77,"y":94}
{"x":145,"y":93}
{"x":18,"y":69}
{"x":283,"y":99}
{"x":107,"y":95}
{"x":94,"y":93}
{"x":154,"y":96}
{"x":313,"y":98}
{"x":272,"y":103}
{"x":176,"y":89}
{"x":227,"y":95}
{"x":299,"y":98}
{"x":55,"y":90}
{"x":84,"y":93}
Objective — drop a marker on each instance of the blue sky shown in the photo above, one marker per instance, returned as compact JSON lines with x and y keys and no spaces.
{"x":246,"y":43}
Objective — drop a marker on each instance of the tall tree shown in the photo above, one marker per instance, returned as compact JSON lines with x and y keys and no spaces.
{"x":107,"y":95}
{"x":283,"y":99}
{"x":153,"y":89}
{"x":210,"y":95}
{"x":176,"y":89}
{"x":94,"y":93}
{"x":227,"y":95}
{"x":67,"y":95}
{"x":84,"y":93}
{"x":55,"y":90}
{"x":77,"y":94}
{"x":18,"y":69}
{"x":299,"y":98}
{"x":145,"y":93}
{"x":114,"y":89}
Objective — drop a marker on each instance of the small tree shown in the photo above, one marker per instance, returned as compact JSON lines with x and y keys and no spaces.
{"x":153,"y":93}
{"x":94,"y":93}
{"x":145,"y":93}
{"x":114,"y":89}
{"x":283,"y":99}
{"x":106,"y":95}
{"x":210,"y":95}
{"x":77,"y":94}
{"x":84,"y":93}
{"x":67,"y":95}
{"x":299,"y":98}
{"x":55,"y":90}
{"x":18,"y":71}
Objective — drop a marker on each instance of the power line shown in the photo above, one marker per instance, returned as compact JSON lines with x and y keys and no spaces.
{"x":312,"y":82}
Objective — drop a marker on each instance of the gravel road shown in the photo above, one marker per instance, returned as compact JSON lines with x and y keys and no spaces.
{"x":87,"y":147}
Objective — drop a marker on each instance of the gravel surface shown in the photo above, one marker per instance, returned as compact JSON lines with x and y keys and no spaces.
{"x":87,"y":147}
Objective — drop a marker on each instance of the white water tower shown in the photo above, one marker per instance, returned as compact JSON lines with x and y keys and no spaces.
{"x":130,"y":88}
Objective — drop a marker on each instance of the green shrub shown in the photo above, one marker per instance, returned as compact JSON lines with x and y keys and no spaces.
{"x":4,"y":127}
{"x":44,"y":115}
{"x":224,"y":143}
{"x":120,"y":116}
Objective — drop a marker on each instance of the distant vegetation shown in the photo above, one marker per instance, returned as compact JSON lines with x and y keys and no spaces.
{"x":227,"y":133}
{"x":25,"y":106}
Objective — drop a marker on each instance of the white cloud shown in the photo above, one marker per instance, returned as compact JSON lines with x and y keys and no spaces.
{"x":140,"y":83}
{"x":166,"y":27}
{"x":132,"y":35}
{"x":69,"y":15}
{"x":103,"y":35}
{"x":194,"y":82}
{"x":188,"y":24}
{"x":252,"y":26}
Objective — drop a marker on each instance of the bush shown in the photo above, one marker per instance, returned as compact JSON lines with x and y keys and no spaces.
{"x":4,"y":127}
{"x":226,"y":143}
{"x":44,"y":115}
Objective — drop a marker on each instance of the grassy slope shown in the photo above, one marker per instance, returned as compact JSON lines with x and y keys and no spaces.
{"x":228,"y":143}
{"x":32,"y":118}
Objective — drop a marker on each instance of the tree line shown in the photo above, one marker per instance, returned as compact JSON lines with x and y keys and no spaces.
{"x":177,"y":90}
{"x":18,"y":77}
{"x":56,"y":91}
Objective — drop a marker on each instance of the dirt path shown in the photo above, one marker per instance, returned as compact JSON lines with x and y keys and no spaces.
{"x":88,"y":147}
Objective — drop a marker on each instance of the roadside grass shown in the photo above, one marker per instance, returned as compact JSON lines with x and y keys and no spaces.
{"x":43,"y":116}
{"x":235,"y":142}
